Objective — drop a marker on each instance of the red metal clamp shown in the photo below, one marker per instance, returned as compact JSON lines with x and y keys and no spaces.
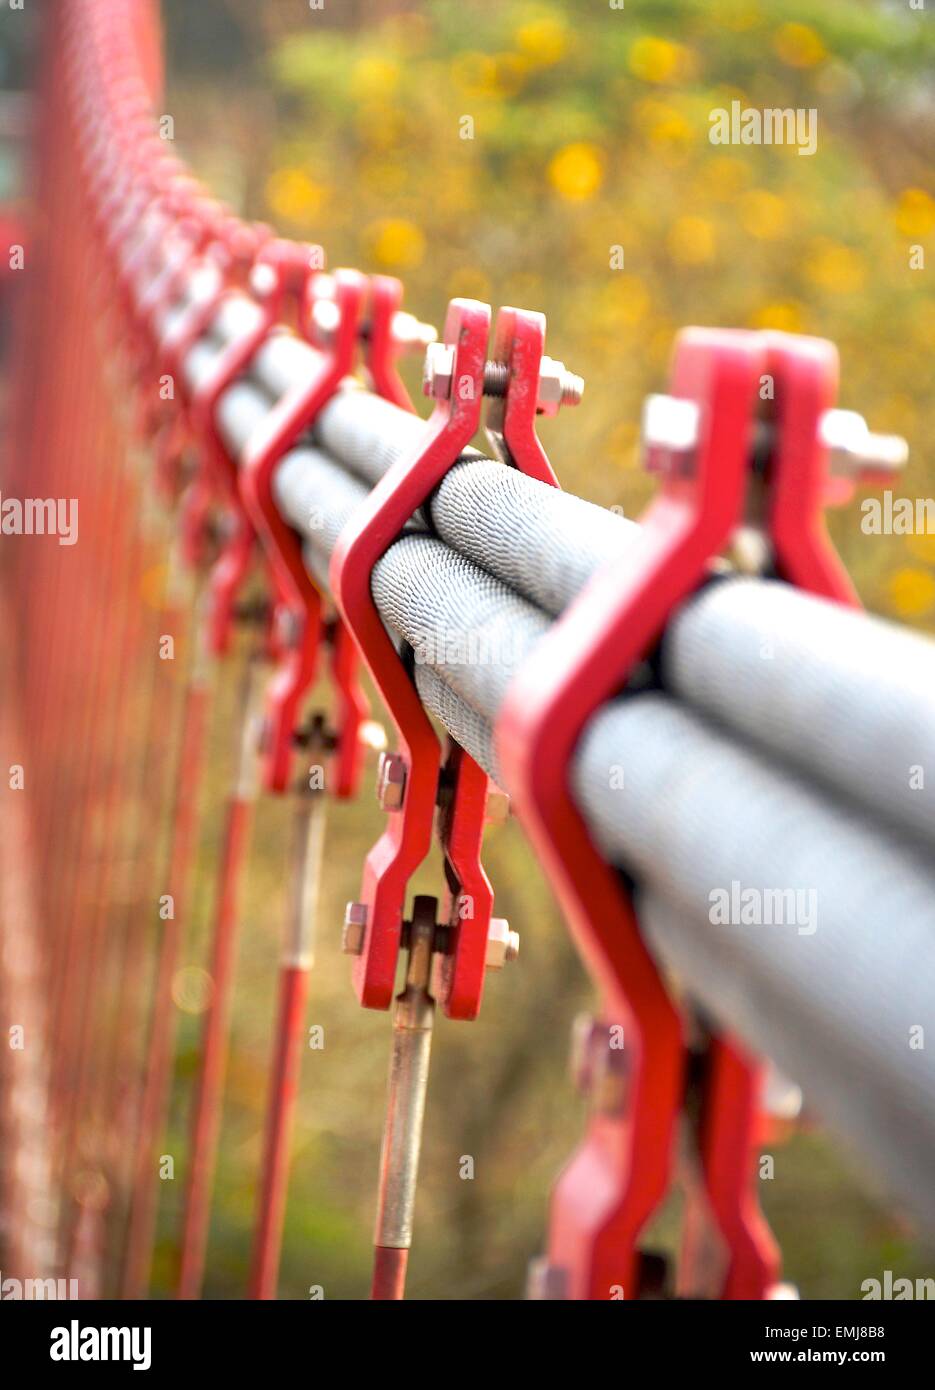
{"x":616,"y":1181}
{"x":388,"y":332}
{"x":277,"y":268}
{"x":416,"y":778}
{"x":299,"y":621}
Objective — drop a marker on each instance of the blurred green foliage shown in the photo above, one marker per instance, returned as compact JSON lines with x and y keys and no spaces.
{"x":589,"y":137}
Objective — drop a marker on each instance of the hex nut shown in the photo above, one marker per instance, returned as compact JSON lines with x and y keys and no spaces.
{"x":391,"y":781}
{"x":438,"y":372}
{"x":355,"y":929}
{"x":502,"y":944}
{"x":551,"y":374}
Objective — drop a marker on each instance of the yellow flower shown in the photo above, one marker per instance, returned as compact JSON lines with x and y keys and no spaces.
{"x":915,"y":212}
{"x":692,"y":240}
{"x":292,"y":195}
{"x":836,"y":268}
{"x":374,"y":77}
{"x":763,"y":214}
{"x":912,"y":592}
{"x":543,"y":41}
{"x":799,"y":46}
{"x":576,"y":172}
{"x":672,"y":130}
{"x":396,"y":243}
{"x":658,"y":60}
{"x":784,"y":316}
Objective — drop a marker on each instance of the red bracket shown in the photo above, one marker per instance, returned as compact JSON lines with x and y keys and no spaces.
{"x":299,"y":618}
{"x":455,"y":783}
{"x":386,"y":341}
{"x":278,"y":268}
{"x":619,"y":1176}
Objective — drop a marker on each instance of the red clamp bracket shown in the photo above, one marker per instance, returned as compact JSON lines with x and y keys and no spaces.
{"x":616,"y":1181}
{"x":299,"y":607}
{"x":416,"y":779}
{"x":389,"y":332}
{"x":278,"y":267}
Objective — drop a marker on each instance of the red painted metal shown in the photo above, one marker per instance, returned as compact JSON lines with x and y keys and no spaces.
{"x":301,"y":629}
{"x":407,"y":837}
{"x":206,"y":1114}
{"x":299,"y":618}
{"x":389,"y":1273}
{"x":616,"y":1181}
{"x":291,"y":271}
{"x":158,"y":1075}
{"x":382,"y":346}
{"x":274,"y":1181}
{"x":619,"y":1176}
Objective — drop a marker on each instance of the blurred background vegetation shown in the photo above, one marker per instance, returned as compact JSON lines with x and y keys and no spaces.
{"x":344,"y":125}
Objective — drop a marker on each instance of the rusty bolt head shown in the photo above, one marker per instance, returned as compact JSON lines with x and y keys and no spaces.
{"x":354,"y":930}
{"x":502,"y":944}
{"x":391,"y":781}
{"x":438,"y":371}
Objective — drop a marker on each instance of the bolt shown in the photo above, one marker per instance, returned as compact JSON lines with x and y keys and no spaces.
{"x":263,"y":280}
{"x":391,"y":781}
{"x":581,"y":1059}
{"x":288,"y":627}
{"x":438,"y":371}
{"x":373,"y":735}
{"x":557,"y":386}
{"x":326,"y":316}
{"x":854,"y":451}
{"x":670,"y":426}
{"x":355,"y":928}
{"x":502,"y":944}
{"x":781,"y":1098}
{"x":409,"y":333}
